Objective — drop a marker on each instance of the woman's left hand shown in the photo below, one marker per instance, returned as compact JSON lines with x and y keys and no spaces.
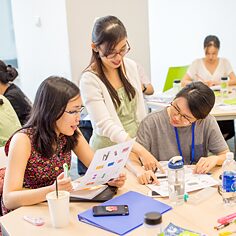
{"x":205,"y":164}
{"x":118,"y":182}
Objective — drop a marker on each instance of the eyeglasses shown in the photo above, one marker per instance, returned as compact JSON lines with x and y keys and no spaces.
{"x":122,"y":52}
{"x":183,"y":117}
{"x":76,"y":112}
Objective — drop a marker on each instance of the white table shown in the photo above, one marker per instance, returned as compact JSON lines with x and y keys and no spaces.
{"x":200,"y":218}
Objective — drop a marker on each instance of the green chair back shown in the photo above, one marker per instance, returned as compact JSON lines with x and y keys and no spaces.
{"x":177,"y":72}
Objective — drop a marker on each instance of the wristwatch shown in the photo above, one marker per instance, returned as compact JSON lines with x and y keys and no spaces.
{"x":144,"y":88}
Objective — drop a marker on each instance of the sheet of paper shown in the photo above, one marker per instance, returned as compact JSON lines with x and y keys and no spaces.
{"x":174,"y":230}
{"x":89,"y":193}
{"x":192,"y":181}
{"x":215,"y":87}
{"x":225,"y":107}
{"x":107,"y":164}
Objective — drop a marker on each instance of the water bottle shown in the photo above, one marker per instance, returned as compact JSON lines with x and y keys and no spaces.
{"x":152,"y":224}
{"x":176,"y":86}
{"x":229,"y":180}
{"x":224,"y":86}
{"x":176,"y":183}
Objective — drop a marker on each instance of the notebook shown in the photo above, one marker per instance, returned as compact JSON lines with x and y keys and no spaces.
{"x":138,"y":204}
{"x":108,"y":193}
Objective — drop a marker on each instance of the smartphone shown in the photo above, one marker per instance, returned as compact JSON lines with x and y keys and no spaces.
{"x":153,"y":194}
{"x":111,"y":210}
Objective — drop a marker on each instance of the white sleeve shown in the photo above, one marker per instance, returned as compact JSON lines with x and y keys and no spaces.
{"x":228,"y":67}
{"x":192,"y":70}
{"x":101,"y":109}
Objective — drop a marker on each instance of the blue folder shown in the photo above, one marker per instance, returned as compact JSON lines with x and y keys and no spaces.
{"x":138,"y":204}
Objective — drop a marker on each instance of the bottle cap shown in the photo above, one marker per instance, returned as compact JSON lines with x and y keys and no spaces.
{"x":224,"y":78}
{"x":152,"y":218}
{"x":176,"y":162}
{"x":177,"y":81}
{"x":229,"y":155}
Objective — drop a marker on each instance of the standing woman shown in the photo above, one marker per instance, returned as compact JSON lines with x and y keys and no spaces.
{"x":209,"y":70}
{"x":37,"y":152}
{"x":111,"y":89}
{"x":17,"y":98}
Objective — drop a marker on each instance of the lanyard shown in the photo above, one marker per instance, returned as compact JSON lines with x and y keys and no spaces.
{"x":192,"y":146}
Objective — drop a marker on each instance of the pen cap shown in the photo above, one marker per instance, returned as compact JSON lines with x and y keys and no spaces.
{"x":152,"y":218}
{"x":224,"y":78}
{"x":176,"y":81}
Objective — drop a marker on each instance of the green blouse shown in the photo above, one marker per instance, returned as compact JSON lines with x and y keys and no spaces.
{"x":127,"y":115}
{"x":9,"y":121}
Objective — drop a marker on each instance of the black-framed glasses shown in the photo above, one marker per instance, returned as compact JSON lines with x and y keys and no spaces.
{"x":183,"y":117}
{"x":122,"y":52}
{"x":75,"y":112}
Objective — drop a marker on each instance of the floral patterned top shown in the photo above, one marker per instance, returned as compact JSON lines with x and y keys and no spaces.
{"x":42,"y":171}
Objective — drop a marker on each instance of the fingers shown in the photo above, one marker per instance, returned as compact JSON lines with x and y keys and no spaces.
{"x":198,"y":167}
{"x":160,"y":167}
{"x":64,"y":183}
{"x":148,"y":177}
{"x":204,"y":165}
{"x":152,"y":165}
{"x":118,"y":182}
{"x":60,"y":176}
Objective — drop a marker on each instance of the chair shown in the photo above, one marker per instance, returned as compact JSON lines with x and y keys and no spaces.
{"x":174,"y":73}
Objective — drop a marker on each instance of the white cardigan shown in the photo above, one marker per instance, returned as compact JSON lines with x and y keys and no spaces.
{"x":100,"y":107}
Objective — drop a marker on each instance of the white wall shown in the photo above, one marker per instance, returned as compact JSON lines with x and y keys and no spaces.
{"x":81,"y":15}
{"x":178,"y":28}
{"x":41,"y":50}
{"x":7,"y":45}
{"x":61,"y":44}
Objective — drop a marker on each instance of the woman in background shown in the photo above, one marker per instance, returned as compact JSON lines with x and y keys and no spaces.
{"x":17,"y":98}
{"x":147,"y":87}
{"x":37,"y":152}
{"x":209,"y":70}
{"x":111,"y":89}
{"x":9,"y":121}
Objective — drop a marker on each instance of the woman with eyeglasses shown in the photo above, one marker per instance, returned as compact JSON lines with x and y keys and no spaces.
{"x":185,"y":129}
{"x":38,"y":151}
{"x":111,"y":89}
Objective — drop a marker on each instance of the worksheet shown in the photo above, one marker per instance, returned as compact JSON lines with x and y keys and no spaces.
{"x":106,"y":165}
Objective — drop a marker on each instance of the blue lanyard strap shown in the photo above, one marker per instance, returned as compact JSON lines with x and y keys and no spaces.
{"x":192,"y":146}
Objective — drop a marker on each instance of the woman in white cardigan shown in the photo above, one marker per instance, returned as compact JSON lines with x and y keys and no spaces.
{"x":111,"y":90}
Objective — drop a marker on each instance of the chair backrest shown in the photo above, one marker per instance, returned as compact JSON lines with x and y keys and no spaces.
{"x":174,"y":73}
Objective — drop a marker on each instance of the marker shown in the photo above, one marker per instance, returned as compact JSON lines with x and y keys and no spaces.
{"x":65,"y":169}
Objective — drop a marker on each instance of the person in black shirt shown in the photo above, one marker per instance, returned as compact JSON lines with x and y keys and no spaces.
{"x":19,"y":101}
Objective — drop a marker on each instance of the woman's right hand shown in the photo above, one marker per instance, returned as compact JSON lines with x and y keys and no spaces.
{"x":147,"y":177}
{"x":63,"y":183}
{"x":149,"y":162}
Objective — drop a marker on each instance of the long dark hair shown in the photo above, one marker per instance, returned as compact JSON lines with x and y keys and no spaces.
{"x":200,"y":98}
{"x":50,"y":103}
{"x":7,"y":73}
{"x":109,"y":30}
